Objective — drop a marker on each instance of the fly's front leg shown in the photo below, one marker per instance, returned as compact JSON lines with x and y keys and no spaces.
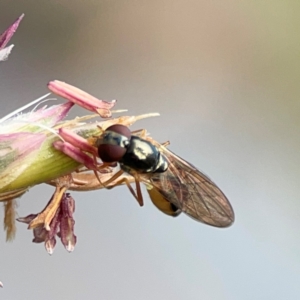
{"x":81,"y":151}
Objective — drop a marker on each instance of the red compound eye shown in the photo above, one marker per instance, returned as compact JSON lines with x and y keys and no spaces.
{"x":112,"y":147}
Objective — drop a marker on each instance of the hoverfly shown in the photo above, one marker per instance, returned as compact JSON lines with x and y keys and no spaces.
{"x":173,"y":184}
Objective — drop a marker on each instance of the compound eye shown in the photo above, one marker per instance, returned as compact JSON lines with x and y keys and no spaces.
{"x":120,"y":129}
{"x":112,"y":147}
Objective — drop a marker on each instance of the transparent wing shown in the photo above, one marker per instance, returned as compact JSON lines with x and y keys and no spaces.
{"x":191,"y":191}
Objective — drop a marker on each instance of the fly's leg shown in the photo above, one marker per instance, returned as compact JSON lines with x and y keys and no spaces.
{"x":165,"y":144}
{"x":137,"y":195}
{"x":142,"y":133}
{"x":88,"y":182}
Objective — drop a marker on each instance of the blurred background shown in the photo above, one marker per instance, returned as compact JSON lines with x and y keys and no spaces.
{"x":224,"y":76}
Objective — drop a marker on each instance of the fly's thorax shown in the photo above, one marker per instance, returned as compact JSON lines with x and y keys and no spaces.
{"x":143,"y":156}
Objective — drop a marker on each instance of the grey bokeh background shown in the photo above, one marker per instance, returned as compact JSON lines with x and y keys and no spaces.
{"x":224,"y":76}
